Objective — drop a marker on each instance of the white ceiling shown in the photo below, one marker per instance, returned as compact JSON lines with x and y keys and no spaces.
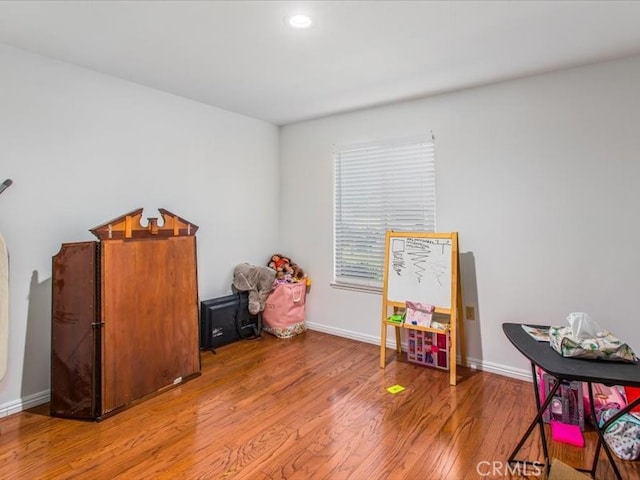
{"x":240,"y":56}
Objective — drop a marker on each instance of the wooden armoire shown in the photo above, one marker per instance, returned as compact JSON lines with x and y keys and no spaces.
{"x":124,"y":315}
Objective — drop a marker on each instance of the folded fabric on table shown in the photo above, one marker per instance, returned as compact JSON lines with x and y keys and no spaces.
{"x":584,"y":338}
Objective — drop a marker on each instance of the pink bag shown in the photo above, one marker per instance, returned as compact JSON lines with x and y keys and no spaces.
{"x":602,"y":396}
{"x":283,"y":314}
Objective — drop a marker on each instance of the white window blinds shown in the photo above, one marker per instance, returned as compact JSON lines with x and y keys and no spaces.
{"x":379,"y":187}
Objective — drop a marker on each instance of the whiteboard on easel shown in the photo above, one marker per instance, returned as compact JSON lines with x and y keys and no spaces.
{"x":419,"y":269}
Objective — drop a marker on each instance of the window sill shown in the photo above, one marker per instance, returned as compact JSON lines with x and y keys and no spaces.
{"x":356,"y":288}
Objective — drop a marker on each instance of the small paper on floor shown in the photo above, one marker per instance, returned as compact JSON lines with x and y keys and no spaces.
{"x":395,"y":389}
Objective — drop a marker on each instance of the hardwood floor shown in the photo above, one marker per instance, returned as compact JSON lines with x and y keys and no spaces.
{"x":311,"y":407}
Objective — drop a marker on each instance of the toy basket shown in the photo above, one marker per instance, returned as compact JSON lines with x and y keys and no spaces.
{"x":284,"y":313}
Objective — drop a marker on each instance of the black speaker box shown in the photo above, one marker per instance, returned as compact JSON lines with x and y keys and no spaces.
{"x":226,"y":320}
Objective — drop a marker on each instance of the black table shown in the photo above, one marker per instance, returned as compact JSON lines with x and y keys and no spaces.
{"x":569,"y":369}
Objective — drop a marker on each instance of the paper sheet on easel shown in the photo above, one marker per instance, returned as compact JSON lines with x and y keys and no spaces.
{"x":419,"y":314}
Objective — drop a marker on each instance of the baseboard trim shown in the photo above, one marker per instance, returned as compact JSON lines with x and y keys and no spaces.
{"x":475,"y":363}
{"x":25,"y":403}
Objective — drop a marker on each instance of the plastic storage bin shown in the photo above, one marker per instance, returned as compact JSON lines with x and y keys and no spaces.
{"x":428,"y":348}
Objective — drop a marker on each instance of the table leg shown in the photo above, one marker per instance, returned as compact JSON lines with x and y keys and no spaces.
{"x":537,"y":420}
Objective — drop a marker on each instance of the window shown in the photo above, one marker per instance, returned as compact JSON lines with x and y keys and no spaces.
{"x":379,"y":187}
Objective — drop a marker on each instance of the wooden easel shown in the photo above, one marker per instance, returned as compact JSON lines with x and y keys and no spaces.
{"x":418,"y":267}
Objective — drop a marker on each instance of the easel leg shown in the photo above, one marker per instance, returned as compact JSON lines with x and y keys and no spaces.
{"x":460,"y":315}
{"x":452,"y":352}
{"x":457,"y":321}
{"x":383,"y":345}
{"x":398,"y":342}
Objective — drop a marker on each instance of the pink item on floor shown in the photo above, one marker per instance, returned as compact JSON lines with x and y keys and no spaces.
{"x":565,"y":433}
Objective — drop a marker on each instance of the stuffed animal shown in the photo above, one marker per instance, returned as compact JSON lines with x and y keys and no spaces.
{"x":280,"y":263}
{"x":272,"y":262}
{"x":286,"y":270}
{"x":258,"y":281}
{"x":281,"y":277}
{"x":297,"y":273}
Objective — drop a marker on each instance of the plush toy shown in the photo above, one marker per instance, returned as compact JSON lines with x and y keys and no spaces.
{"x":286,"y":270}
{"x":280,"y":263}
{"x":258,"y":281}
{"x":297,"y":273}
{"x":272,"y":262}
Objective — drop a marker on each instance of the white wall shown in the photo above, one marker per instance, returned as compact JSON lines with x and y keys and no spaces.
{"x":83,"y":148}
{"x":540,"y":178}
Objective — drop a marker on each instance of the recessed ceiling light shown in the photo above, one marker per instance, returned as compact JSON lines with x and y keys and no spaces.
{"x":300,"y":21}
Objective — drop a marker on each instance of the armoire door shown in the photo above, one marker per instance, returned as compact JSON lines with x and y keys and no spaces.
{"x":74,"y":332}
{"x":150,"y":315}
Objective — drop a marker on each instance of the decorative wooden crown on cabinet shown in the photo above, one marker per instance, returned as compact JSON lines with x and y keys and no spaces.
{"x":129,"y":225}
